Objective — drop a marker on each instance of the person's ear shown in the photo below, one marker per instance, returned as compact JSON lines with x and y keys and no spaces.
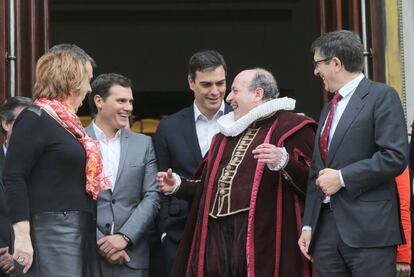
{"x":6,"y":126}
{"x":98,"y":101}
{"x":190,"y":82}
{"x":72,"y":93}
{"x":259,"y":94}
{"x":337,"y":63}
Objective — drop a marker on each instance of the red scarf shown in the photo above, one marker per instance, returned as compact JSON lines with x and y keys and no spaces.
{"x":95,"y":179}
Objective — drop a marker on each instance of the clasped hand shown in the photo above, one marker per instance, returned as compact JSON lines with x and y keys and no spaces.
{"x":112,"y":247}
{"x":6,"y":261}
{"x":329,"y":181}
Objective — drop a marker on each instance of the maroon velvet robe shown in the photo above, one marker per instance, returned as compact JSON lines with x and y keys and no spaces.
{"x":263,"y":208}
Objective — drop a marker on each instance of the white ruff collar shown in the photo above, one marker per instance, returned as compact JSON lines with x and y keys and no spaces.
{"x":230,"y":127}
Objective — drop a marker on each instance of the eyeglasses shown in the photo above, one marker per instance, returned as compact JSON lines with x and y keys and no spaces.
{"x":316,"y":63}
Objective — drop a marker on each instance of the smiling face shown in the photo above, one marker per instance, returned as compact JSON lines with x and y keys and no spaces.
{"x":241,"y":98}
{"x":209,"y":88}
{"x":114,"y":111}
{"x":325,"y":70}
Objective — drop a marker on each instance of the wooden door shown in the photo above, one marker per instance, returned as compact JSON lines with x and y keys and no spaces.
{"x":32,"y":40}
{"x":346,"y":14}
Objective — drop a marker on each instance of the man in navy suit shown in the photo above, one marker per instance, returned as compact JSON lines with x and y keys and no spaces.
{"x":8,"y":113}
{"x":351,"y":224}
{"x":183,"y":138}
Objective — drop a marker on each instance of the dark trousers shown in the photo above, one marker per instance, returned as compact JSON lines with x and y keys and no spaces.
{"x":157,"y":264}
{"x":169,"y":248}
{"x":332,"y":257}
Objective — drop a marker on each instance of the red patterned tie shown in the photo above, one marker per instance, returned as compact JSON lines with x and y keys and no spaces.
{"x":323,"y":141}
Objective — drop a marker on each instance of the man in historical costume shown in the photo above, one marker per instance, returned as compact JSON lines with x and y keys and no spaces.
{"x":247,"y":195}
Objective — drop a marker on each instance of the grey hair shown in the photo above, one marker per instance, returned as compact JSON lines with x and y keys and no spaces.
{"x":343,"y":44}
{"x":76,"y":50}
{"x":264,"y":79}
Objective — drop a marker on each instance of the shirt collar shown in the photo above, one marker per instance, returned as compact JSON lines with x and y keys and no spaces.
{"x":350,"y":87}
{"x":231,"y":127}
{"x":100,"y":135}
{"x":198,"y":115}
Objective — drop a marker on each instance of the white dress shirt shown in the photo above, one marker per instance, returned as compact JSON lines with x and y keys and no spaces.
{"x":110,"y":153}
{"x":346,"y":92}
{"x":206,"y":128}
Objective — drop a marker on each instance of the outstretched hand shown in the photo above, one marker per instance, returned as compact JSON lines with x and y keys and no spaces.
{"x":166,"y":181}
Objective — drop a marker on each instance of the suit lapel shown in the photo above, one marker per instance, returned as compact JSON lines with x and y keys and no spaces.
{"x":190,"y":132}
{"x":122,"y":156}
{"x":227,"y":108}
{"x":106,"y":194}
{"x":188,"y":129}
{"x":89,"y":130}
{"x":351,"y":111}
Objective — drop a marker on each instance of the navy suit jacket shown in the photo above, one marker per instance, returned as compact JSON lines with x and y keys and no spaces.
{"x":370,"y":148}
{"x":176,"y":146}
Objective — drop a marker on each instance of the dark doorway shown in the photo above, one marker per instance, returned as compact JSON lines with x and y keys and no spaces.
{"x":151,"y":42}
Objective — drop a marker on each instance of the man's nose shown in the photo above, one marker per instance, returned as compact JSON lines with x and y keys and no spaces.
{"x":229,"y":97}
{"x":129,"y":106}
{"x":215,"y":89}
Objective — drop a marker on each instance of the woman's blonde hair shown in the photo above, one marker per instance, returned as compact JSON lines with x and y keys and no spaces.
{"x":58,"y":74}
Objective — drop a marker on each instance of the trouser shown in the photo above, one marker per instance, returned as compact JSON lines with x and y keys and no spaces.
{"x":332,"y":257}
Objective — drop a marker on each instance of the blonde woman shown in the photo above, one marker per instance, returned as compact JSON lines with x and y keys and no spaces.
{"x":53,"y":174}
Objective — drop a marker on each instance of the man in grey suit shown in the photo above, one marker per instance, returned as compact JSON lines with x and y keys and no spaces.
{"x":126,"y":211}
{"x":351,"y":223}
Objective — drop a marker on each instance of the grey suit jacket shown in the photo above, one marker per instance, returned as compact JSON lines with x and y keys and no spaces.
{"x":135,"y":200}
{"x":370,"y":148}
